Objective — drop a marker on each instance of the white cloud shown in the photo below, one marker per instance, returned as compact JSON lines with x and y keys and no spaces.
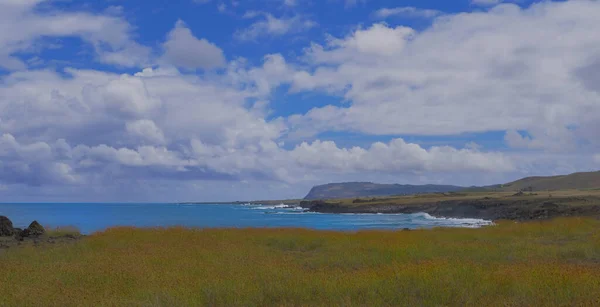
{"x":162,"y":124}
{"x":505,"y":69}
{"x":270,"y":25}
{"x":406,"y":11}
{"x":377,"y":41}
{"x":35,"y":164}
{"x":183,"y":49}
{"x":147,"y":130}
{"x":263,"y":79}
{"x":508,"y":69}
{"x":555,"y":139}
{"x":398,"y":156}
{"x":23,"y":26}
{"x":142,"y":156}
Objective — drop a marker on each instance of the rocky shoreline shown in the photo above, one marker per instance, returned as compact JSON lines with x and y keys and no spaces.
{"x":34,"y":235}
{"x":487,"y":209}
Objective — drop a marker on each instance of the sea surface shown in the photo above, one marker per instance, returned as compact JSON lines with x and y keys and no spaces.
{"x":93,"y":217}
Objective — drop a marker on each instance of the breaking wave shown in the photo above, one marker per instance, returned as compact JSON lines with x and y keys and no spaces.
{"x":456,"y":222}
{"x":281,"y":206}
{"x":368,"y":220}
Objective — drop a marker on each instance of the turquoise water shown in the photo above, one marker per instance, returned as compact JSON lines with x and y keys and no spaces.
{"x":92,"y":217}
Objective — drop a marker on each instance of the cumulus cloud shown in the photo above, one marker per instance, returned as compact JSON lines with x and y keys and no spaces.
{"x":108,"y":33}
{"x":365,"y":45}
{"x":509,"y":68}
{"x":269,"y":25}
{"x":398,"y":156}
{"x":184,"y":50}
{"x":406,"y":11}
{"x":528,"y":73}
{"x":33,"y":164}
{"x":145,"y":129}
{"x":179,"y":126}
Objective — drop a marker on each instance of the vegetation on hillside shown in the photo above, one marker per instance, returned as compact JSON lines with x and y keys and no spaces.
{"x":575,"y":197}
{"x":546,"y":263}
{"x":363,"y":189}
{"x":584,"y":180}
{"x":484,"y":205}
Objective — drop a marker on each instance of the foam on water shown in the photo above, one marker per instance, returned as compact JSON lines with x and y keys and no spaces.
{"x":466,"y":222}
{"x":418,"y":220}
{"x":281,"y":206}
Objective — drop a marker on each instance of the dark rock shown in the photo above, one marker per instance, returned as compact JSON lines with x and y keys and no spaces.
{"x":34,"y":230}
{"x":517,"y":209}
{"x":18,"y":232}
{"x":6,"y":227}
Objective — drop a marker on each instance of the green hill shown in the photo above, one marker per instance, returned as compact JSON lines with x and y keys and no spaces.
{"x":366,"y":189}
{"x":587,"y":180}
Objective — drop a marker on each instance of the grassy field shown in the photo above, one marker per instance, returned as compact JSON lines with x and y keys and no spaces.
{"x":584,"y":180}
{"x":511,"y":264}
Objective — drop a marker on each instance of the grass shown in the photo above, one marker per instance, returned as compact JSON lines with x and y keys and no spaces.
{"x":63,"y":231}
{"x":572,"y":181}
{"x":511,"y":264}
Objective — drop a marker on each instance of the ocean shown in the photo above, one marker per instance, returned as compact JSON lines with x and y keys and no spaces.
{"x":93,"y":217}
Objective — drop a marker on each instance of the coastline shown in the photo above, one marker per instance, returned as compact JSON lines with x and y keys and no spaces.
{"x":491,"y":206}
{"x":518,"y":208}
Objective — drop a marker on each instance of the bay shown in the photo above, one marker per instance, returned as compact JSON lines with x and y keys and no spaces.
{"x":93,"y":217}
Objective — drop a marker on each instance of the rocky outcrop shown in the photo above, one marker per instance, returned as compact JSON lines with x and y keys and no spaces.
{"x":6,"y":227}
{"x":34,"y":230}
{"x":34,"y":235}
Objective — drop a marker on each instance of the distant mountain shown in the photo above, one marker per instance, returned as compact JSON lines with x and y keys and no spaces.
{"x":588,"y":180}
{"x":367,"y":189}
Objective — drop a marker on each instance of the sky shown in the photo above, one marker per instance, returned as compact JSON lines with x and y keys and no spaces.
{"x":223,"y":100}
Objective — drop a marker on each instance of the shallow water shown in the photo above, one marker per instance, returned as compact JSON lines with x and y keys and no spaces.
{"x":91,"y":217}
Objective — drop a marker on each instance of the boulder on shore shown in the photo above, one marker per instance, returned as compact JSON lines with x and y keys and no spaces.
{"x":34,"y":230}
{"x":6,"y":227}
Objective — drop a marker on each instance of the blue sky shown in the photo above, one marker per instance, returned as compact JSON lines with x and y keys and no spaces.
{"x":227,"y":100}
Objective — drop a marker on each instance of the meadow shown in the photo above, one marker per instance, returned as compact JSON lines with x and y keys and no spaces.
{"x":545,"y":263}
